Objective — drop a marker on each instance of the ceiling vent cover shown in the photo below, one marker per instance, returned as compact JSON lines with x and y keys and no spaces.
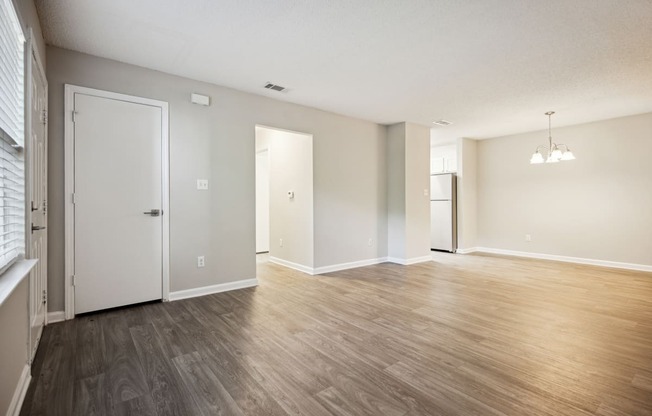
{"x":274,"y":87}
{"x":442,"y":123}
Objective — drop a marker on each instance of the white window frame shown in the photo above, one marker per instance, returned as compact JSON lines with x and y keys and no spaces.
{"x":16,"y":137}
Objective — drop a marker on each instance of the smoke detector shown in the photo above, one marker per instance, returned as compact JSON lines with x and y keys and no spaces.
{"x":442,"y":123}
{"x":275,"y":87}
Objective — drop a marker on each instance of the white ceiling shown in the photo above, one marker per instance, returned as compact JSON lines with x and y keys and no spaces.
{"x":493,"y":67}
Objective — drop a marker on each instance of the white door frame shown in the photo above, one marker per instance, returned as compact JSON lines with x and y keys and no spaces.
{"x":32,"y":63}
{"x":69,"y":187}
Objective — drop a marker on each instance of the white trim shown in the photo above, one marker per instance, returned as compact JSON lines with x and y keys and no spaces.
{"x":37,"y":58}
{"x":346,"y":266}
{"x":265,"y":126}
{"x":413,"y":260}
{"x":69,"y":185}
{"x":13,"y":276}
{"x":396,"y":260}
{"x":466,"y":250}
{"x":567,"y":259}
{"x":69,"y":209}
{"x":56,"y":316}
{"x":351,"y":265}
{"x":33,"y":65}
{"x":165,"y":196}
{"x":20,"y":392}
{"x":208,"y":290}
{"x":291,"y":265}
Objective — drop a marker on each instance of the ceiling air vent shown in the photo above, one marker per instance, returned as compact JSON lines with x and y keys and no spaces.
{"x":274,"y":87}
{"x":442,"y":123}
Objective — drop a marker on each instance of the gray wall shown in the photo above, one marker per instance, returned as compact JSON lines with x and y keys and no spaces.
{"x":467,"y":193}
{"x":217,"y":143}
{"x":14,"y":326}
{"x":408,"y":172}
{"x":595,"y":207}
{"x":396,"y":191}
{"x":417,"y":188}
{"x":290,"y":169}
{"x":29,"y":18}
{"x":262,"y":200}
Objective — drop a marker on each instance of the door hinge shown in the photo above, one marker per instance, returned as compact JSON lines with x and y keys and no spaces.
{"x":74,"y":116}
{"x":74,"y":198}
{"x":45,"y":296}
{"x":74,"y":280}
{"x":44,"y":117}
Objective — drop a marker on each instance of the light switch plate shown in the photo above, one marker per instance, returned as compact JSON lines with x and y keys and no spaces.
{"x":202,"y":184}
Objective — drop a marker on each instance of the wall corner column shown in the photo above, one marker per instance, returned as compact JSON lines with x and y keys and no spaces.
{"x":408,"y":201}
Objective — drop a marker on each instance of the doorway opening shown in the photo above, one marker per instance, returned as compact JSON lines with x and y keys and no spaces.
{"x":284,"y":198}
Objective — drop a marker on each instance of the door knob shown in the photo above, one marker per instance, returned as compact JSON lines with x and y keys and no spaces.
{"x":154,"y":212}
{"x":37,"y":228}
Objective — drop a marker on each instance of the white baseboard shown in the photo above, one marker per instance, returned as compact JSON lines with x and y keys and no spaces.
{"x":291,"y":265}
{"x":350,"y":265}
{"x":19,"y":394}
{"x":566,"y":259}
{"x":56,"y":316}
{"x":407,"y":262}
{"x":466,"y":250}
{"x":209,"y":290}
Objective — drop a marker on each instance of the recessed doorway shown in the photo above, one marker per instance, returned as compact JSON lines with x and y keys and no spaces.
{"x":284,"y":197}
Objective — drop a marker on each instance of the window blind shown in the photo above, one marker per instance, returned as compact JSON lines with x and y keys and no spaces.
{"x":12,"y":122}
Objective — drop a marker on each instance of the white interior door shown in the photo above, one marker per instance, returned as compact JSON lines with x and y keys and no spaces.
{"x":38,"y":239}
{"x":118,"y":180}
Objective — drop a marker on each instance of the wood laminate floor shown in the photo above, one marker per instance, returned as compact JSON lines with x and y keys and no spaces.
{"x":464,"y":335}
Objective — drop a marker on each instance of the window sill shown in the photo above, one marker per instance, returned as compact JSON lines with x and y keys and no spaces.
{"x":13,"y":276}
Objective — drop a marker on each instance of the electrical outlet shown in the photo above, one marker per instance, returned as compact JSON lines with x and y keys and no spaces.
{"x":528,"y":238}
{"x":280,"y":242}
{"x":370,"y":242}
{"x":200,"y":261}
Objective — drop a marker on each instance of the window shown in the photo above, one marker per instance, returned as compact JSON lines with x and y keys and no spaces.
{"x":12,"y":123}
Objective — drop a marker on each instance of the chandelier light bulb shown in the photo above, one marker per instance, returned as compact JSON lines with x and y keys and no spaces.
{"x":555,"y":153}
{"x":568,"y":155}
{"x":536,"y":158}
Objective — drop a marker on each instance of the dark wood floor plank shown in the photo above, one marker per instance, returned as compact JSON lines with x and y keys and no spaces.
{"x":463,"y":335}
{"x":357,"y":361}
{"x":54,"y":385}
{"x":173,"y":341}
{"x":357,"y":388}
{"x":138,"y":406}
{"x":283,"y":387}
{"x":169,"y":396}
{"x":334,"y":401}
{"x":91,"y":397}
{"x":90,"y":359}
{"x":124,"y":376}
{"x":238,"y":382}
{"x":209,"y":394}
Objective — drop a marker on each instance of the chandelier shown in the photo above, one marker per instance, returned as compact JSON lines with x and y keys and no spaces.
{"x":554,"y":152}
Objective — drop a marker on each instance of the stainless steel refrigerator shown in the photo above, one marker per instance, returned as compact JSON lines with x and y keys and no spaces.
{"x":443,"y":212}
